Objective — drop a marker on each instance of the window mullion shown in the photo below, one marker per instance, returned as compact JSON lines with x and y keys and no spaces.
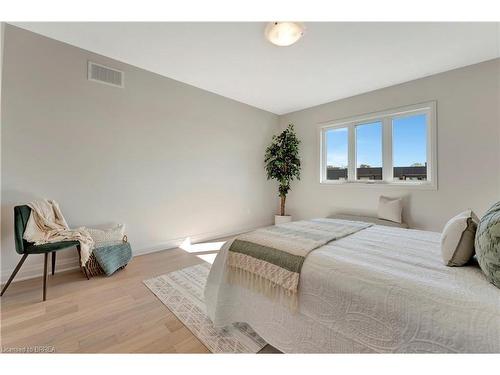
{"x":323,"y":155}
{"x":431,"y":138}
{"x":387,"y":168}
{"x":351,"y":158}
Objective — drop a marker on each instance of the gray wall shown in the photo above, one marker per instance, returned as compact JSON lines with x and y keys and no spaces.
{"x":468,"y":148}
{"x":165,"y":158}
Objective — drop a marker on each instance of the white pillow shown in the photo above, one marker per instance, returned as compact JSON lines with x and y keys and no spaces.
{"x":457,"y":239}
{"x":107,"y":237}
{"x":390,"y":209}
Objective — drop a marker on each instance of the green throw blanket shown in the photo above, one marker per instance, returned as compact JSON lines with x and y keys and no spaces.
{"x":269,"y":260}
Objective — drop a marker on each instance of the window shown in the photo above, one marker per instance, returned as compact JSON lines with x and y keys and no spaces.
{"x":369,"y":151}
{"x":336,"y":158}
{"x":409,"y":148}
{"x":396,"y":147}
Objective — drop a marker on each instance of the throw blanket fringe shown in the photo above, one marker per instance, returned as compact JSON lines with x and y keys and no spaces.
{"x":269,"y":260}
{"x":260,"y":284}
{"x":93,"y":266}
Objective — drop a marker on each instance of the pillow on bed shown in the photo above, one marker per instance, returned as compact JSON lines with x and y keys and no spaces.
{"x":390,"y":209}
{"x":457,"y":239}
{"x":488,"y":244}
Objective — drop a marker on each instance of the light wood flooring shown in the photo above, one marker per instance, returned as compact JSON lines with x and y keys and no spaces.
{"x":101,"y":315}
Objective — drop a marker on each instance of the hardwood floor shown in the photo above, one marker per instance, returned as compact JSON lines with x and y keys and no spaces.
{"x":101,"y":315}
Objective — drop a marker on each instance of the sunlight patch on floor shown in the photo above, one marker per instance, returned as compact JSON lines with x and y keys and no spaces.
{"x":201,"y":247}
{"x":209,"y":258}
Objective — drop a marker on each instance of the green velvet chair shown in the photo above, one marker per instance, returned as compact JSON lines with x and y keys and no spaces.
{"x":21,"y":216}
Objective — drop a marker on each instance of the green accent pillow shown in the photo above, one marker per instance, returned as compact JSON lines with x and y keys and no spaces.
{"x":487,"y":244}
{"x":110,"y":258}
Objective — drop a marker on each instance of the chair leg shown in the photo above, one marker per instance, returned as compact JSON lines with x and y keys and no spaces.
{"x":79,"y":262}
{"x":14,"y":273}
{"x":45,"y":264}
{"x":53,"y":262}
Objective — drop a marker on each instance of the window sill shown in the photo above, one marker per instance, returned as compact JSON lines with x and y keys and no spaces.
{"x":382,"y":184}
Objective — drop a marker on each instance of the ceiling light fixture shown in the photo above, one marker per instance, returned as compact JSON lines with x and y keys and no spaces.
{"x":284,"y":33}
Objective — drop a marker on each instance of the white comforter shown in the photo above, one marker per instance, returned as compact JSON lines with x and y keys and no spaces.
{"x":380,"y":290}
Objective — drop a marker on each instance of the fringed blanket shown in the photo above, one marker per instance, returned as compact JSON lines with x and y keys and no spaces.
{"x":47,"y":224}
{"x":269,"y":260}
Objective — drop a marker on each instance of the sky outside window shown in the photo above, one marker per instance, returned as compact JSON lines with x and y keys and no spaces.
{"x":336,"y":146}
{"x":409,"y":141}
{"x":369,"y":145}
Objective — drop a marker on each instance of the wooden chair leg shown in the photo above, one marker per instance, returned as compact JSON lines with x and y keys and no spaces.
{"x":45,"y":264}
{"x":14,"y":273}
{"x":53,"y":262}
{"x":79,"y":262}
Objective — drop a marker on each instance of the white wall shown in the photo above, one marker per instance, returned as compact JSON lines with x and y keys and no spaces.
{"x":2,"y":33}
{"x":167,"y":159}
{"x":468,"y":128}
{"x":2,"y":29}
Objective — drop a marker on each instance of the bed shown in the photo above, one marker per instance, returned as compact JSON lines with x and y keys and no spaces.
{"x":382,"y":290}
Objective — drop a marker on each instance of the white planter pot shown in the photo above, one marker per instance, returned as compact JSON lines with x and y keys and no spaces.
{"x":278,"y":219}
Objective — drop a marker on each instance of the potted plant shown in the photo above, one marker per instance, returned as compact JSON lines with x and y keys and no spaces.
{"x":283,"y":164}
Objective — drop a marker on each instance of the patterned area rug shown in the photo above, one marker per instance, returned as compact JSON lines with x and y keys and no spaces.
{"x":182,"y":292}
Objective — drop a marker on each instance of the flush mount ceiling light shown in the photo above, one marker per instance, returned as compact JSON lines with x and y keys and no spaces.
{"x":284,"y":33}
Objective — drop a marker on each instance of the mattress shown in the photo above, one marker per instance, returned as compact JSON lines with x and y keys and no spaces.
{"x":382,"y":290}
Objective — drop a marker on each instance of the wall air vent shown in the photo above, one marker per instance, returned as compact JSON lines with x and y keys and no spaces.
{"x":103,"y":74}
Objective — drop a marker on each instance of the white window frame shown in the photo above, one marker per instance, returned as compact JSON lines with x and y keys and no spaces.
{"x":385,"y":117}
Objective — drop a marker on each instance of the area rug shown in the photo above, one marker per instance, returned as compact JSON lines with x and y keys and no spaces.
{"x":182,"y":292}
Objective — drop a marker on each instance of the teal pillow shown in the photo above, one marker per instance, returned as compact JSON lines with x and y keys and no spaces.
{"x":487,"y":244}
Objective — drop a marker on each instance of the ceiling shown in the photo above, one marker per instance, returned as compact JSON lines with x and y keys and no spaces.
{"x":332,"y":60}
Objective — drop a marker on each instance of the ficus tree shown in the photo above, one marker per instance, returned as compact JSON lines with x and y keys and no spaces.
{"x":282,"y":162}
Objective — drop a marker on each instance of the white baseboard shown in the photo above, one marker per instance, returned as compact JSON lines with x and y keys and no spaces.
{"x":30,"y":271}
{"x":208,"y":236}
